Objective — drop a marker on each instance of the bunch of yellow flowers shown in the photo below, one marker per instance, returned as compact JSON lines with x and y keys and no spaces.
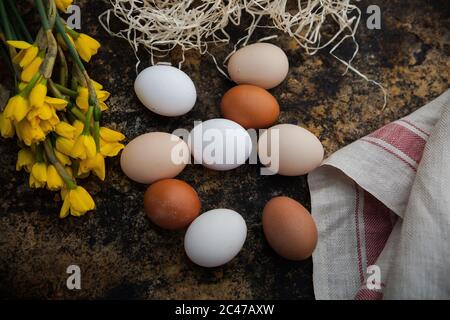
{"x":55,"y":115}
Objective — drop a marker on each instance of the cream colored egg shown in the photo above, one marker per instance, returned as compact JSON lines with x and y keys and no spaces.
{"x":289,"y":150}
{"x":154,"y":156}
{"x":260,"y":64}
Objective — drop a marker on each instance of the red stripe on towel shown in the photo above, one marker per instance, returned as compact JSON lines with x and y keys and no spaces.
{"x":366,"y":294}
{"x":391,"y":152}
{"x":415,"y":127}
{"x":377,"y":227}
{"x":357,"y":228}
{"x":402,"y":139}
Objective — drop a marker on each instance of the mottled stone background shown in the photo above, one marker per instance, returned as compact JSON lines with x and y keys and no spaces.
{"x":122,"y":255}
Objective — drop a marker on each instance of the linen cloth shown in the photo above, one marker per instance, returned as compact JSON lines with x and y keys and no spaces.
{"x":382,"y":205}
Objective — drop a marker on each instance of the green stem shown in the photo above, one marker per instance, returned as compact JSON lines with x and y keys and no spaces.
{"x":39,"y":153}
{"x":63,"y":68}
{"x":21,"y":24}
{"x":87,"y":122}
{"x":42,"y":14}
{"x":73,"y":52}
{"x":97,"y":135}
{"x":66,"y":91}
{"x":77,"y":112}
{"x":5,"y":22}
{"x":71,"y":184}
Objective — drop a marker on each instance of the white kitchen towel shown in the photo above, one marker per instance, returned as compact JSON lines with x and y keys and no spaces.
{"x":382,"y":209}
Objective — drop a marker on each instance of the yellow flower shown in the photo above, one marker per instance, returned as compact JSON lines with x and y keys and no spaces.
{"x":86,"y":46}
{"x":95,"y":164}
{"x":78,"y":201}
{"x":64,"y":145}
{"x":110,"y":149}
{"x":62,"y":158}
{"x":65,"y":130}
{"x":25,"y":160}
{"x":82,"y":100}
{"x":38,"y":94}
{"x":54,"y":180}
{"x":29,"y":134}
{"x":79,"y":126}
{"x":31,"y":69}
{"x":38,"y":176}
{"x":17,"y":108}
{"x":63,"y":4}
{"x":6,"y":127}
{"x":110,"y":135}
{"x":27,"y":53}
{"x":19,"y":44}
{"x":97,"y":86}
{"x":44,"y":113}
{"x":56,"y":103}
{"x":84,"y":147}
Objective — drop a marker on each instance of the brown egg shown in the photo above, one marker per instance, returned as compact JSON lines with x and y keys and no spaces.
{"x":289,"y":228}
{"x":250,"y":106}
{"x":171,"y":204}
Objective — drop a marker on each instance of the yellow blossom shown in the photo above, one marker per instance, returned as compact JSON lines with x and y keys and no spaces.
{"x":95,"y":164}
{"x":18,"y":44}
{"x":6,"y":127}
{"x":82,"y":100}
{"x":54,"y":180}
{"x":64,"y":145}
{"x":77,"y":201}
{"x":29,"y":134}
{"x":110,"y":149}
{"x":63,"y":4}
{"x":27,"y":53}
{"x":25,"y":160}
{"x":79,"y":126}
{"x":38,"y":176}
{"x":31,"y":69}
{"x":110,"y":135}
{"x":84,"y":147}
{"x":56,"y":103}
{"x":62,"y":158}
{"x":86,"y":46}
{"x":38,"y":94}
{"x":17,"y":108}
{"x":65,"y":130}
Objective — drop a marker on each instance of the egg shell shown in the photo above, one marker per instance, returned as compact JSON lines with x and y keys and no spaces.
{"x":171,"y":204}
{"x":215,"y":237}
{"x":289,"y":228}
{"x":250,"y":106}
{"x":220,"y":144}
{"x":261,"y":64}
{"x":154,"y":156}
{"x":299,"y":151}
{"x":165,"y":90}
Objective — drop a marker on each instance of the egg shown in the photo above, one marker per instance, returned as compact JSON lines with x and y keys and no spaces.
{"x":215,"y":237}
{"x":289,"y":150}
{"x":220,"y":144}
{"x":250,"y":106}
{"x":165,"y":90}
{"x":261,"y":64}
{"x":154,"y":156}
{"x":289,"y":228}
{"x":171,"y":204}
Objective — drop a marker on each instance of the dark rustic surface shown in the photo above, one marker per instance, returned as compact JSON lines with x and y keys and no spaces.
{"x":122,"y":255}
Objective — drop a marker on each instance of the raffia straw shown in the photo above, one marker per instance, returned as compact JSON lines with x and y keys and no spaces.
{"x":159,"y":26}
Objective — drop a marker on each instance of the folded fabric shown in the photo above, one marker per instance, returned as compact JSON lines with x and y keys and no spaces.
{"x":382,"y":208}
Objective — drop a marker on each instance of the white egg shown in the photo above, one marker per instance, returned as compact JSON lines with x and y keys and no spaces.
{"x":215,"y":237}
{"x":165,"y":90}
{"x":220,"y":144}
